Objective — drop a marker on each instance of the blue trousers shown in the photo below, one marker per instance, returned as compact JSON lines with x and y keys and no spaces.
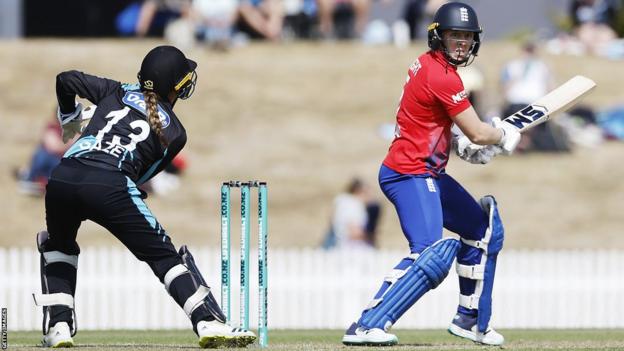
{"x":426,"y":205}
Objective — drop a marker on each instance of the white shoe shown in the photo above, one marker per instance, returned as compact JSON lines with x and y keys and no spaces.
{"x":58,"y":336}
{"x":358,"y":336}
{"x":466,"y":327}
{"x":215,"y":334}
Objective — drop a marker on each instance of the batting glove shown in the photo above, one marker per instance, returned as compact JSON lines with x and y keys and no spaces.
{"x":484,"y":154}
{"x":473,"y":153}
{"x":464,"y":148}
{"x":510,"y":138}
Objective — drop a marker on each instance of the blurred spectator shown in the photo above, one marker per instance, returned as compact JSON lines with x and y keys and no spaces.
{"x":343,"y":19}
{"x":150,"y":17}
{"x":33,"y":178}
{"x":581,"y":126}
{"x":261,"y":19}
{"x":413,"y":14}
{"x":300,"y":19}
{"x":611,"y":120}
{"x":594,"y":11}
{"x":593,"y":20}
{"x":417,"y":11}
{"x":168,"y":180}
{"x":474,"y":82}
{"x":354,"y":219}
{"x":215,"y":21}
{"x":524,"y":80}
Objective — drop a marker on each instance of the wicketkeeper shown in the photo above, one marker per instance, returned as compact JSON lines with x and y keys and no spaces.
{"x":131,"y":136}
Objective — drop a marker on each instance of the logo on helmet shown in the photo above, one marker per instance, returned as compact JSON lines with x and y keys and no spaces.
{"x":148,"y":84}
{"x":463,"y":14}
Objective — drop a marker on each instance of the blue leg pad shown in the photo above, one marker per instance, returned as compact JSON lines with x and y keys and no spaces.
{"x":476,"y":265}
{"x":406,"y":286}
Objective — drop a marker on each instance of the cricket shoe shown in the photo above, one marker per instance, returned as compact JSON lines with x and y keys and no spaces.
{"x":359,"y":336}
{"x":466,"y":327}
{"x":215,"y":334}
{"x":58,"y":336}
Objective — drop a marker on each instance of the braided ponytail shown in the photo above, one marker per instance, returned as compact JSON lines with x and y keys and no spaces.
{"x":151,"y":107}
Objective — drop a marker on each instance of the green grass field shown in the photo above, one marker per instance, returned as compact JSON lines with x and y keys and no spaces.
{"x":330,"y":340}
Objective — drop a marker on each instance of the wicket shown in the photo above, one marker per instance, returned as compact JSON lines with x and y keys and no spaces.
{"x":245,"y":187}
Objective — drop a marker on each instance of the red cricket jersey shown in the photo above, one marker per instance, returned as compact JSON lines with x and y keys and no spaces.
{"x":432,"y":94}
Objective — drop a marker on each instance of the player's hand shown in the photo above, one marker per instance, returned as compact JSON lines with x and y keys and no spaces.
{"x":485,"y":154}
{"x":460,"y":145}
{"x":479,"y":154}
{"x":473,"y":153}
{"x":65,"y":118}
{"x":70,"y":122}
{"x":464,"y":148}
{"x":511,"y":136}
{"x":70,"y":130}
{"x":75,"y":125}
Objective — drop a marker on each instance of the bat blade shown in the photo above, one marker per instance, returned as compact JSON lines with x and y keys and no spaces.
{"x":559,"y":100}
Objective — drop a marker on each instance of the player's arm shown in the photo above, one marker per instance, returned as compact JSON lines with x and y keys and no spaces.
{"x":477,"y":131}
{"x":72,"y":83}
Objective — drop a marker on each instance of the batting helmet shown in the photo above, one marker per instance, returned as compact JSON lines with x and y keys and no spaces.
{"x":454,"y":16}
{"x":165,"y":69}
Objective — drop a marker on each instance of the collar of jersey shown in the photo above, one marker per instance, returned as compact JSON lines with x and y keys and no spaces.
{"x":439,"y":57}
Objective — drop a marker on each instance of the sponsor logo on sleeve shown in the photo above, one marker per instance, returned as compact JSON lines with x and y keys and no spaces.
{"x":414,"y":67}
{"x":459,"y":96}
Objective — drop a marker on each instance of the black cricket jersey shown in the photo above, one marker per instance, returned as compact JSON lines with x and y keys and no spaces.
{"x":118,"y":136}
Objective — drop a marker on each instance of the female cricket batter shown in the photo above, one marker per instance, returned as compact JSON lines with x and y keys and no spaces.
{"x":132,"y":135}
{"x":427,"y":199}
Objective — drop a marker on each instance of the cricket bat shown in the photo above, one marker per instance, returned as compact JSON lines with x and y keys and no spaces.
{"x":557,"y":101}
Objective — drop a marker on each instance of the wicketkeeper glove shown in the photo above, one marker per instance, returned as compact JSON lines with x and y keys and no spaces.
{"x":75,"y":122}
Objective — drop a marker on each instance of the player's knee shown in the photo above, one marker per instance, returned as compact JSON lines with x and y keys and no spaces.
{"x":164,"y":265}
{"x":496,"y":231}
{"x":436,"y":261}
{"x":492,"y":241}
{"x":48,"y":243}
{"x":419,"y":244}
{"x":52,"y":254}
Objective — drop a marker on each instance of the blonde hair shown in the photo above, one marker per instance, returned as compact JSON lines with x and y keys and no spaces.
{"x":151,"y":107}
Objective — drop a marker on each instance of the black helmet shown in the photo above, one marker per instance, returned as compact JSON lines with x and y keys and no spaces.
{"x":454,"y":16}
{"x":165,"y":68}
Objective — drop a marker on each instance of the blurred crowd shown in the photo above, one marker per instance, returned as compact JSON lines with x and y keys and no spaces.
{"x":595,"y":27}
{"x":223,"y":23}
{"x":590,"y":26}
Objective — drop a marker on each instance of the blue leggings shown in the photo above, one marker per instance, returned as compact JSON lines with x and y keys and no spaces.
{"x":425,"y":205}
